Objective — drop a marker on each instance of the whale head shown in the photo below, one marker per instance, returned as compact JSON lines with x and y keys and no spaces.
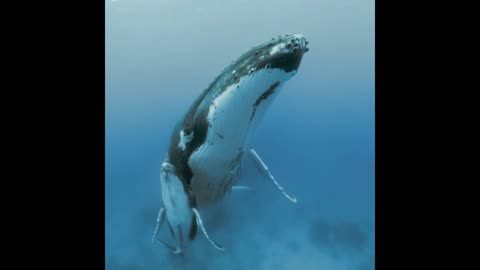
{"x":284,"y":53}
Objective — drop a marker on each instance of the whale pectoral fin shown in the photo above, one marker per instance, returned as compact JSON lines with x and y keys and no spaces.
{"x":160,"y":219}
{"x":200,"y":224}
{"x":264,"y":169}
{"x":166,"y":245}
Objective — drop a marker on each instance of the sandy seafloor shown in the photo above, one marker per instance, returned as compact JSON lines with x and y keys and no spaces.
{"x":317,"y":137}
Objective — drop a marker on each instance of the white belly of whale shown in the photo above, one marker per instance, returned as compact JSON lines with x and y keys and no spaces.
{"x":216,"y":163}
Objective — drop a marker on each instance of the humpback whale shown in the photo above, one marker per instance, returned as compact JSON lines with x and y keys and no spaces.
{"x":208,"y":145}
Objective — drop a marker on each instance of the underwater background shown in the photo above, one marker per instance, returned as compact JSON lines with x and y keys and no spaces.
{"x":317,"y":138}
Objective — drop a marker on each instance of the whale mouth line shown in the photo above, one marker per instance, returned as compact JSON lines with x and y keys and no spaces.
{"x":270,"y":90}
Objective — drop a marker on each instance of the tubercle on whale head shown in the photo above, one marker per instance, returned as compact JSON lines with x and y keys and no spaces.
{"x":289,"y":43}
{"x":285,"y":52}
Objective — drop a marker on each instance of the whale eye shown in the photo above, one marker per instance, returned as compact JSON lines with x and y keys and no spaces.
{"x":289,"y":46}
{"x":257,"y":53}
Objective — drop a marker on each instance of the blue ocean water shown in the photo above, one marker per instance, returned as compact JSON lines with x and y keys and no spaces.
{"x":317,"y":138}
